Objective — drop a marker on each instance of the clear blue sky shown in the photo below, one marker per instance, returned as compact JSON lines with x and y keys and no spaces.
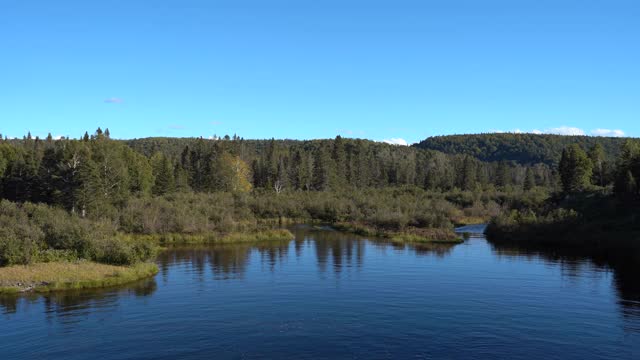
{"x":314,"y":69}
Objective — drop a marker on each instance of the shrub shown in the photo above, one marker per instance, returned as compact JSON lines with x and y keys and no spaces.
{"x":37,"y":233}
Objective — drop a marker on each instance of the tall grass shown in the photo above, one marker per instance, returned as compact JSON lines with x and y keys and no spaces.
{"x":403,"y":235}
{"x":211,"y":238}
{"x":45,"y":277}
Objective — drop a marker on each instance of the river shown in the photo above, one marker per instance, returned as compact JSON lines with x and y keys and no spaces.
{"x":330,"y":295}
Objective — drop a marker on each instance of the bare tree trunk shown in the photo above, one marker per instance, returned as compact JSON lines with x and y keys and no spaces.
{"x":278,"y":186}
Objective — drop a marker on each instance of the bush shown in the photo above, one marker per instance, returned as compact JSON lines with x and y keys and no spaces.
{"x":37,"y":233}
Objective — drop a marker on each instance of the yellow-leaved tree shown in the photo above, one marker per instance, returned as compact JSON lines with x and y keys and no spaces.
{"x":234,"y":174}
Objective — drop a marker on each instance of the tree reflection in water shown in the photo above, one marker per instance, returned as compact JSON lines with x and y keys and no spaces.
{"x":624,"y":266}
{"x":331,"y":251}
{"x":72,"y":306}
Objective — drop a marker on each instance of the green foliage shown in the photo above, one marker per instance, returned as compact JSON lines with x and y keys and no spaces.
{"x":628,"y":171}
{"x":37,"y":233}
{"x":595,"y":223}
{"x":575,"y":169}
{"x":522,"y":148}
{"x":163,"y":171}
{"x":75,"y":199}
{"x":94,"y":177}
{"x":333,"y":165}
{"x":591,"y":218}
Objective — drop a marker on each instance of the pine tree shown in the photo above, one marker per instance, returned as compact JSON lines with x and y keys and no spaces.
{"x":575,"y":169}
{"x":503,"y":178}
{"x":163,"y":173}
{"x":628,"y":169}
{"x":324,"y":173}
{"x":140,"y":173}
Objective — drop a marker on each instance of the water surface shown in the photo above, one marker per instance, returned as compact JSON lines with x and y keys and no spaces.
{"x":328,"y":295}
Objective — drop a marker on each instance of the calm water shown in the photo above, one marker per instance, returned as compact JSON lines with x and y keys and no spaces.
{"x":330,"y":295}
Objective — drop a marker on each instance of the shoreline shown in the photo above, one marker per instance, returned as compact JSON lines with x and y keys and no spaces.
{"x":58,"y":276}
{"x":213,"y":238}
{"x":44,"y":277}
{"x":411,"y":235}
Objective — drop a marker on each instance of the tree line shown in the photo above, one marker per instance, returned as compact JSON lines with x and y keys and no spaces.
{"x":95,"y":175}
{"x":583,"y":170}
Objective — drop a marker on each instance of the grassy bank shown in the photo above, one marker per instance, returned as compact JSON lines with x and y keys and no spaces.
{"x":409,"y":234}
{"x":61,"y":274}
{"x":46,"y":277}
{"x":213,"y":238}
{"x":470,"y":220}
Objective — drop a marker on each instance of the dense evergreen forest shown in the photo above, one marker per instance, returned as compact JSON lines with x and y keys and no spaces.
{"x":95,"y":172}
{"x":522,"y":148}
{"x":95,"y":197}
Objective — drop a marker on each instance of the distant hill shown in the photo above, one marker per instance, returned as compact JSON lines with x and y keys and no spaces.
{"x":523,"y":148}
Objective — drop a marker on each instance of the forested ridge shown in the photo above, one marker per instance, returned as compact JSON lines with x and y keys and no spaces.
{"x":522,"y":148}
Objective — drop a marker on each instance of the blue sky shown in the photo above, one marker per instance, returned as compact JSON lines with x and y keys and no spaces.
{"x":313,"y":69}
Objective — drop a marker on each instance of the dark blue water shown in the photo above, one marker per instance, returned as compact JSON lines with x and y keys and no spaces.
{"x":328,"y":295}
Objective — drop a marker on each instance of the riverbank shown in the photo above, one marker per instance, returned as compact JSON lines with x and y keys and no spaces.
{"x":600,"y":223}
{"x":84,"y":274}
{"x":407,"y":235}
{"x":213,"y":238}
{"x":54,"y":276}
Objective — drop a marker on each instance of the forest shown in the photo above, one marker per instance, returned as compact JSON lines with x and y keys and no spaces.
{"x":596,"y":210}
{"x":114,"y":201}
{"x":520,"y":147}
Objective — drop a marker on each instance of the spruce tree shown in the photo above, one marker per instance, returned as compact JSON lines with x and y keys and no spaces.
{"x":575,"y":169}
{"x":163,"y":173}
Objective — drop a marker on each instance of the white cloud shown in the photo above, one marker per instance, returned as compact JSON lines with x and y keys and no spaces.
{"x":396,"y":141}
{"x":113,"y":100}
{"x":607,"y":133}
{"x":569,"y":130}
{"x":565,"y":130}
